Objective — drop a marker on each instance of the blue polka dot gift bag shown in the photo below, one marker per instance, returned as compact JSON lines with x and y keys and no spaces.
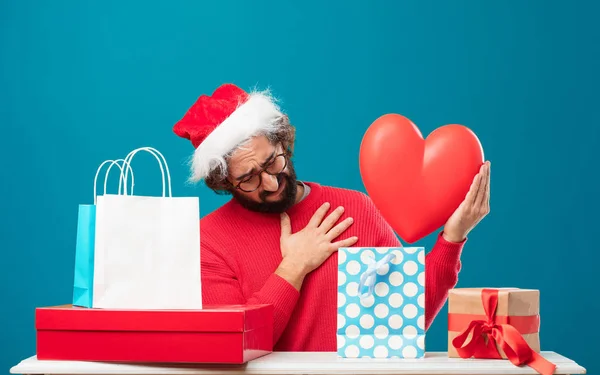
{"x":381,"y":302}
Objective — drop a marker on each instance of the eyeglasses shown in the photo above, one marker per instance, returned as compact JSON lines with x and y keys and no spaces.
{"x":275,"y":167}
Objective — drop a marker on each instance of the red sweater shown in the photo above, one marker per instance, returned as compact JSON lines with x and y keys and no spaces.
{"x":240,"y":253}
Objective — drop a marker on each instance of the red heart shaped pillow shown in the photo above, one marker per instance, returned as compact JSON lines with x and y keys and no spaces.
{"x":417,"y":183}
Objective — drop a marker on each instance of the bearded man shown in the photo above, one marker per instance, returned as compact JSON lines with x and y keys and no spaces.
{"x":275,"y":242}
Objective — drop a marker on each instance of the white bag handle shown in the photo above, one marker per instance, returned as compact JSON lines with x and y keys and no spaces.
{"x":154,"y":152}
{"x":122,"y":177}
{"x":112,"y":162}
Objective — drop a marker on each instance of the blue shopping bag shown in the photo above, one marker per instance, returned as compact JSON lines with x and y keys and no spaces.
{"x":84,"y":256}
{"x":83,"y":282}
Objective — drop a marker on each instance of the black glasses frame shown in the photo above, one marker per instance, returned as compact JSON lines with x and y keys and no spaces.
{"x":285,"y":155}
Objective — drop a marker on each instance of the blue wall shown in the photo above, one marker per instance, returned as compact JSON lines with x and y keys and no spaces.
{"x":81,"y":82}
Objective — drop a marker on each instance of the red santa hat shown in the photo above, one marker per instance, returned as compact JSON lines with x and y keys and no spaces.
{"x":217,"y":124}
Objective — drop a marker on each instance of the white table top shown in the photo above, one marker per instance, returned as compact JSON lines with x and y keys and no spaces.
{"x":304,"y":363}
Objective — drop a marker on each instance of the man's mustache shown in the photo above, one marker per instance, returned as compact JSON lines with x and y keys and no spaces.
{"x":280,"y":177}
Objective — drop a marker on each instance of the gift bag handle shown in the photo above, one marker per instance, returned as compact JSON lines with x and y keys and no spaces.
{"x":112,"y":162}
{"x":367,"y":278}
{"x":156,"y":155}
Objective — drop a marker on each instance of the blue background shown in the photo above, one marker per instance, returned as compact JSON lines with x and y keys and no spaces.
{"x":81,"y":82}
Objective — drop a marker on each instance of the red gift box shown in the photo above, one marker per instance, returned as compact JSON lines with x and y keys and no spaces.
{"x":215,"y":334}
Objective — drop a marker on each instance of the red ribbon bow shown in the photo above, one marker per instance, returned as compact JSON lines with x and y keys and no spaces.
{"x":486,"y":334}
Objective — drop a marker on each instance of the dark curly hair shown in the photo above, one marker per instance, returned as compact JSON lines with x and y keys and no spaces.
{"x":284,"y":133}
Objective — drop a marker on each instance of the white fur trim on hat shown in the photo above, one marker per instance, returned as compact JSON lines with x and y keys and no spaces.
{"x":257,"y":115}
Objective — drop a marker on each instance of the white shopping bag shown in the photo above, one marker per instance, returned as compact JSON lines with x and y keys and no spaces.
{"x":147,"y":248}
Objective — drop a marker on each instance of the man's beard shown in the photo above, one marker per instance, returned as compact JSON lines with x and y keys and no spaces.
{"x":288,"y":195}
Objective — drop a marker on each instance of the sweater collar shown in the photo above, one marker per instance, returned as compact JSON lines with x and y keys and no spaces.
{"x":310,"y":200}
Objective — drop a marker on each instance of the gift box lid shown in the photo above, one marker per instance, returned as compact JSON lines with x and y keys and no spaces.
{"x":511,"y":301}
{"x":213,"y":318}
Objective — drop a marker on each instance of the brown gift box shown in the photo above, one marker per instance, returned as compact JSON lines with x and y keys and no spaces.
{"x":466,"y":305}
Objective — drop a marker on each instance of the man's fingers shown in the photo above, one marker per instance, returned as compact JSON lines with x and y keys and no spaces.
{"x":487,"y":191}
{"x":319,"y":215}
{"x":483,"y":186}
{"x":343,"y":243}
{"x":339,"y":229}
{"x":470,"y":198}
{"x":331,"y":219}
{"x":286,"y":226}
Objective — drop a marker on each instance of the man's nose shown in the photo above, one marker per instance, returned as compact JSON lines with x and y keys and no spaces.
{"x":269,"y":182}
